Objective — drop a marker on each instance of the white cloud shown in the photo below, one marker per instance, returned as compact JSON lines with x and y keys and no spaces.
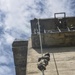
{"x":9,"y":38}
{"x":5,"y":5}
{"x":5,"y":70}
{"x":56,"y":6}
{"x":4,"y":60}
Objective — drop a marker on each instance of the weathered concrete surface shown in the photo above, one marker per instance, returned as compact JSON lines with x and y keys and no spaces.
{"x":20,"y":56}
{"x":54,"y":31}
{"x":54,"y":39}
{"x":63,"y":57}
{"x":50,"y":23}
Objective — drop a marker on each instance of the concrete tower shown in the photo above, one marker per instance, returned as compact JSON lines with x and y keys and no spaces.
{"x":58,"y":39}
{"x":20,"y":56}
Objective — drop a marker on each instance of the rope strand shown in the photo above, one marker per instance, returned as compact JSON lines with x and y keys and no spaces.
{"x":40,"y":39}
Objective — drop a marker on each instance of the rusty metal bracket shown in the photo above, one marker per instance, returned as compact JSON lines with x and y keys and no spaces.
{"x":59,"y":14}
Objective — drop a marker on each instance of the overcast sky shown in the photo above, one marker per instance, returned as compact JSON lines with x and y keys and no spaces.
{"x":15,"y":16}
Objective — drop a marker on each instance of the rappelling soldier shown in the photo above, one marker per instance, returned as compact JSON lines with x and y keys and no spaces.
{"x":46,"y":58}
{"x":43,"y":61}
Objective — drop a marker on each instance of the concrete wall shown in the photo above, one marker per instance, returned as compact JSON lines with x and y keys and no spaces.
{"x":54,"y":39}
{"x":62,"y":61}
{"x":52,"y":23}
{"x":20,"y":56}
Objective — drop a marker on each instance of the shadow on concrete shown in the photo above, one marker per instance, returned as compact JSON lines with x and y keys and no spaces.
{"x":56,"y":49}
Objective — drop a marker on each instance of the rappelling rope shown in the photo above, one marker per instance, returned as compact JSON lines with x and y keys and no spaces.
{"x":43,"y":72}
{"x":40,"y":38}
{"x":40,"y":42}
